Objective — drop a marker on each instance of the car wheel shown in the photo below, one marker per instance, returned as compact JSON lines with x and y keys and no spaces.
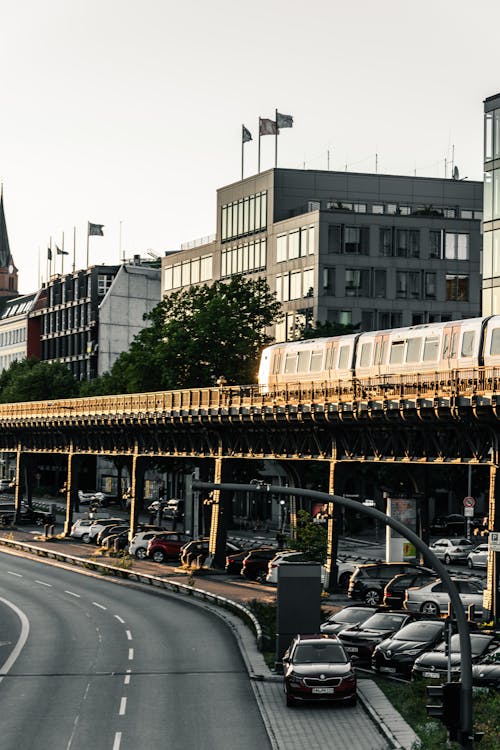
{"x":470,"y":563}
{"x":86,"y":539}
{"x":140,"y":553}
{"x":372,"y":597}
{"x":429,"y":608}
{"x":158,"y":556}
{"x":447,"y":559}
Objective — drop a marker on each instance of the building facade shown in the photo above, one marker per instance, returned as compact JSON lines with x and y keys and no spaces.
{"x":491,"y":225}
{"x":19,"y":333}
{"x":378,"y":251}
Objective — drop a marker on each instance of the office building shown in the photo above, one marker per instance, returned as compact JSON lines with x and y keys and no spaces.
{"x":491,"y":225}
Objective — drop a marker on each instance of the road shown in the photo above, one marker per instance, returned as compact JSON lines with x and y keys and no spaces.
{"x":102,"y":667}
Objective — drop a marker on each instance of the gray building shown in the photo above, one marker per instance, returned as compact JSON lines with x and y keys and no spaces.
{"x":376,"y":250}
{"x":491,"y":226}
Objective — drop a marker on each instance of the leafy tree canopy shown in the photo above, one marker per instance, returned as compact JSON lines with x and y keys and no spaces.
{"x":31,"y":380}
{"x":311,"y":538}
{"x":195,"y":336}
{"x":323,"y":330}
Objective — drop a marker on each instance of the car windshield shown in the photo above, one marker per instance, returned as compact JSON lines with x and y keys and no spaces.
{"x":319,"y":653}
{"x":350,"y":614}
{"x":461,"y":543}
{"x":420,"y":632}
{"x":477,"y":643}
{"x":383,"y":621}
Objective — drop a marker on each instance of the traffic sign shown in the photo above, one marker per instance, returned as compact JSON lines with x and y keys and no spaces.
{"x":469,"y":512}
{"x":494,"y":541}
{"x":469,"y":502}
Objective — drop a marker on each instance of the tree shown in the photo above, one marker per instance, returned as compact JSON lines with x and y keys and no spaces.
{"x":323,"y":330}
{"x":31,"y":380}
{"x":194,"y":337}
{"x":311,"y":538}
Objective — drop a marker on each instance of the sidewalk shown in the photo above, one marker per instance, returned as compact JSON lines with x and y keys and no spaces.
{"x":373,"y":724}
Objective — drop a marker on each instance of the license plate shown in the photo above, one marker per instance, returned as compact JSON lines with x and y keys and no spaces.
{"x":432,"y":675}
{"x":390,"y":670}
{"x":352,"y":649}
{"x":323,"y":691}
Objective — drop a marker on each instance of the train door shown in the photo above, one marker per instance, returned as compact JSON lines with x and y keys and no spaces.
{"x":451,"y":341}
{"x":380,"y":353}
{"x":276,"y":367}
{"x":331,"y":360}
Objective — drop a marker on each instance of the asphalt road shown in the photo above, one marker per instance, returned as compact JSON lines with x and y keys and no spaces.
{"x":104,"y":667}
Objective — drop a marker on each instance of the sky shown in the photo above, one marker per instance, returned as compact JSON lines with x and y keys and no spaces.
{"x":129,"y":114}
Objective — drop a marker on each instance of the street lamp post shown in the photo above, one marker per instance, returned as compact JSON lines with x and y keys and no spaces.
{"x":466,"y":735}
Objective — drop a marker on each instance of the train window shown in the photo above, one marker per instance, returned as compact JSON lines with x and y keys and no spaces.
{"x":379,"y":356}
{"x":446,"y":346}
{"x":291,"y":363}
{"x":366,"y":355}
{"x":397,"y":352}
{"x":431,"y":349}
{"x":343,"y":358}
{"x":316,"y":360}
{"x":329,"y":358}
{"x":276,"y":368}
{"x":413,"y":350}
{"x":468,"y":340}
{"x":495,"y":341}
{"x":303,"y":361}
{"x":453,"y":352}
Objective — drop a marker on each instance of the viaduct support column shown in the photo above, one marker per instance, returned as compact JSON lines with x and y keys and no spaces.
{"x":17,"y":490}
{"x":136,"y":490}
{"x":332,"y":542}
{"x":491,"y":594}
{"x":73,"y":471}
{"x":218,"y":530}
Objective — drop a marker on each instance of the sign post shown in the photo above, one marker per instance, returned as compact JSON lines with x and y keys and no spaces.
{"x":469,"y":504}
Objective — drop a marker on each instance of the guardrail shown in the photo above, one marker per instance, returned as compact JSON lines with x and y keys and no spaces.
{"x":179,"y":588}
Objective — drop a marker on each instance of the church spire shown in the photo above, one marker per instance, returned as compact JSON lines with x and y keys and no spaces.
{"x":8,"y":271}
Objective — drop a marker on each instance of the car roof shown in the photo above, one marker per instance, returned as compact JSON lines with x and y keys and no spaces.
{"x":317,"y":637}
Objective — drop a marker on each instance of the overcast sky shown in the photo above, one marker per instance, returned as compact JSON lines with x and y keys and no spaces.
{"x":120,"y":111}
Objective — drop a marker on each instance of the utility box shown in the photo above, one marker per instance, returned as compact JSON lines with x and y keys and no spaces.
{"x":298,"y":604}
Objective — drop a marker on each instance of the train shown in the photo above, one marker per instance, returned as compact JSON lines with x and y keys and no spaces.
{"x":381,"y":355}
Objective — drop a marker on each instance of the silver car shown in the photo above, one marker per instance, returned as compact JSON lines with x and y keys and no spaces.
{"x":452,"y":550}
{"x":432,"y":599}
{"x":478,"y":557}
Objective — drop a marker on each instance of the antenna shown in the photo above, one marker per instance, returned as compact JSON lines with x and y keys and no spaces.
{"x":456,"y":173}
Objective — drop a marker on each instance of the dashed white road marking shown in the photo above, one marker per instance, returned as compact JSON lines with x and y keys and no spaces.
{"x":120,"y":619}
{"x":101,"y":606}
{"x":42,"y":583}
{"x":123,"y":706}
{"x":72,"y":593}
{"x":129,"y":635}
{"x":130,"y":654}
{"x":117,"y":741}
{"x":11,"y":573}
{"x":126,"y":681}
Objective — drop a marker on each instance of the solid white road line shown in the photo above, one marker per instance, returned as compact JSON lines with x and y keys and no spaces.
{"x":130,"y":654}
{"x":126,"y":681}
{"x":25,"y":629}
{"x":129,"y":635}
{"x":11,"y":573}
{"x":123,"y":706}
{"x":120,"y":619}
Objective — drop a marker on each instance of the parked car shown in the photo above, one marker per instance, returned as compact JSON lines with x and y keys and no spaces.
{"x":255,"y":563}
{"x":344,"y":569}
{"x":486,"y":672}
{"x":317,"y":668}
{"x":368,"y":581}
{"x":25,"y":515}
{"x":234,"y":562}
{"x":95,"y":497}
{"x":451,"y":524}
{"x":396,"y":655}
{"x":432,"y":598}
{"x":97,"y":527}
{"x":360,"y":640}
{"x":346,"y":617}
{"x":139,"y":544}
{"x":433,"y":665}
{"x":80,"y":527}
{"x":111,"y":530}
{"x":452,"y":550}
{"x":6,"y":485}
{"x":167,"y":546}
{"x":117,"y":541}
{"x":174,"y":509}
{"x":478,"y":557}
{"x":197,"y":550}
{"x":395,"y":591}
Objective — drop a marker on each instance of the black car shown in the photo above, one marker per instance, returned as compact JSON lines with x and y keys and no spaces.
{"x":452,"y":524}
{"x":434,"y":664}
{"x":486,"y":673}
{"x":234,"y":562}
{"x":317,"y":668}
{"x":397,"y":654}
{"x":256,"y":563}
{"x":346,"y":617}
{"x":368,"y":581}
{"x":395,"y":591}
{"x":360,"y":641}
{"x":26,"y":514}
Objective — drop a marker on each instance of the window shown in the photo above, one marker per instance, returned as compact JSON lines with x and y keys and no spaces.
{"x":295,"y":285}
{"x":457,"y":288}
{"x":380,"y":283}
{"x":495,"y":341}
{"x":344,"y":357}
{"x":206,"y":268}
{"x":414,"y":283}
{"x":334,"y":238}
{"x":431,"y":349}
{"x":401,"y":284}
{"x":391,"y":208}
{"x":316,"y":360}
{"x":167,"y":278}
{"x":456,"y":246}
{"x":466,"y":214}
{"x":378,"y":208}
{"x":308,"y":282}
{"x":104,"y":281}
{"x":186,"y":273}
{"x":379,"y":357}
{"x":468,"y":339}
{"x":293,"y":245}
{"x":434,"y":244}
{"x":386,"y":247}
{"x":366,"y":355}
{"x":328,"y":280}
{"x":359,"y":208}
{"x":303,"y":361}
{"x":311,"y":241}
{"x":356,"y":240}
{"x":408,"y":243}
{"x":430,"y":285}
{"x":176,"y":279}
{"x":413,"y":350}
{"x":244,"y":216}
{"x":291,"y":363}
{"x":397,"y":352}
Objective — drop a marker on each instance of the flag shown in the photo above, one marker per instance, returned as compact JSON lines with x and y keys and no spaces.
{"x":284,"y":121}
{"x":49,"y":253}
{"x":96,"y":229}
{"x":246,"y":134}
{"x":267,"y":127}
{"x":61,"y":252}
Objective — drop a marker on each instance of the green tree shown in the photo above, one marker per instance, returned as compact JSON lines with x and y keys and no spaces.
{"x":323,"y":330}
{"x":311,"y":538}
{"x":31,"y":380}
{"x":194,"y":337}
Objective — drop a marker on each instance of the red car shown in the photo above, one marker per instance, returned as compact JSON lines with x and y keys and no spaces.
{"x":167,"y":546}
{"x":256,"y":562}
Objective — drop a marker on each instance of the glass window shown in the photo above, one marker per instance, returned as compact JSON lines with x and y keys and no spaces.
{"x":359,"y":208}
{"x":468,"y":344}
{"x":386,"y":242}
{"x":281,"y":241}
{"x":495,"y":341}
{"x":223,"y":227}
{"x":279,"y":288}
{"x":303,"y":361}
{"x":401,"y":284}
{"x":414,"y":283}
{"x":263,"y":212}
{"x":413,"y":350}
{"x":496,"y":134}
{"x":308,"y":282}
{"x":310,"y":241}
{"x":316,"y":360}
{"x":405,"y":210}
{"x":291,"y":363}
{"x":380,"y":281}
{"x":457,"y":288}
{"x":434,"y":244}
{"x":206,"y":268}
{"x":344,"y":357}
{"x":456,"y":246}
{"x":229,"y":221}
{"x":295,"y":285}
{"x":303,"y":241}
{"x":176,"y":278}
{"x":186,"y":273}
{"x":167,"y":277}
{"x":334,"y":238}
{"x":378,"y":208}
{"x":286,"y":287}
{"x":195,"y":270}
{"x":366,"y":355}
{"x":246,"y":215}
{"x":251,"y":214}
{"x":355,"y":240}
{"x":391,"y":208}
{"x":293,"y":244}
{"x":488,"y":136}
{"x":397,"y":352}
{"x":465,"y":214}
{"x":488,"y":196}
{"x":430,"y":285}
{"x":345,"y":317}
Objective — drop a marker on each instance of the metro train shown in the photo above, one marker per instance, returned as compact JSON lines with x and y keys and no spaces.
{"x":427,"y":348}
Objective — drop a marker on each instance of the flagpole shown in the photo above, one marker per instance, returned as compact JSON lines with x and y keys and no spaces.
{"x":47,"y":267}
{"x":258,"y":169}
{"x":88,"y":230}
{"x":39,"y":279}
{"x":74,"y":249}
{"x":51,"y":258}
{"x":242,"y":147}
{"x":62,"y":256}
{"x":276,"y":140}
